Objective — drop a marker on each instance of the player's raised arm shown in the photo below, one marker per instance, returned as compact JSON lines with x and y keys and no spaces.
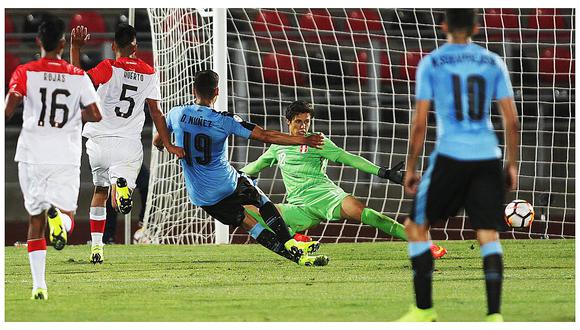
{"x":275,"y":137}
{"x":507,"y":107}
{"x":79,"y":37}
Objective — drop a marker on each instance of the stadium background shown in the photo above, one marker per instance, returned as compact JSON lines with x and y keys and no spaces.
{"x":21,"y":25}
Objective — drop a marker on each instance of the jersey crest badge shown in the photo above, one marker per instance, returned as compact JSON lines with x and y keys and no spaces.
{"x":303,"y":149}
{"x":238,"y":118}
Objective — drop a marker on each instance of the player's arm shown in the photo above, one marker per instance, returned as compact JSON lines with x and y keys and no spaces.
{"x":268,"y":159}
{"x":158,"y":141}
{"x":332,"y":152}
{"x":79,"y":37}
{"x":162,"y":138}
{"x":507,"y":107}
{"x":13,"y":100}
{"x":424,"y":92}
{"x":275,"y":137}
{"x":418,"y":131}
{"x":16,"y":92}
{"x":91,"y":113}
{"x":505,"y":99}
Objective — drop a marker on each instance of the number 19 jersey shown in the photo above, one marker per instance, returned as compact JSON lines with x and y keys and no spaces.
{"x":54,"y":92}
{"x":123,"y":86}
{"x":462,"y":79}
{"x":203,"y":133}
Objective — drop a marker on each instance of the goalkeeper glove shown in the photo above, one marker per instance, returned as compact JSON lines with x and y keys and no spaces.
{"x":394,"y":174}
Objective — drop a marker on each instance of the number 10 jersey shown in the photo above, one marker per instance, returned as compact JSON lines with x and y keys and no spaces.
{"x":462,"y":79}
{"x":54,"y":92}
{"x":123,"y":86}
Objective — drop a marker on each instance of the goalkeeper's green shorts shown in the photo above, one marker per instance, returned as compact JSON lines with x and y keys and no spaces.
{"x":325,"y":207}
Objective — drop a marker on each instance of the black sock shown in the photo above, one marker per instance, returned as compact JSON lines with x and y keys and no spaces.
{"x":270,"y":241}
{"x":274,"y":220}
{"x":422,"y":279}
{"x":493,"y":271}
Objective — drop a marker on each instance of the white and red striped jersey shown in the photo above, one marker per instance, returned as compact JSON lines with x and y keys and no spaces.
{"x":54,"y":92}
{"x":123,"y":86}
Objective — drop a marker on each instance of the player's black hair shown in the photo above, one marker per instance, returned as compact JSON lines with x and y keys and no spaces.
{"x":298,"y":107}
{"x":461,"y":19}
{"x":50,"y":32}
{"x":124,"y":35}
{"x":205,"y":83}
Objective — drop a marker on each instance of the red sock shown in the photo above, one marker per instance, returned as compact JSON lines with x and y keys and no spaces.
{"x":72,"y":225}
{"x":36,"y":244}
{"x":97,"y":226}
{"x":37,"y":258}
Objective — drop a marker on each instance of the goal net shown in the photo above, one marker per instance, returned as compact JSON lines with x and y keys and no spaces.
{"x":357,"y":67}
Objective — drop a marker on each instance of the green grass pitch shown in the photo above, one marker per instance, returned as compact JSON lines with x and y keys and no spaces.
{"x":363,"y":282}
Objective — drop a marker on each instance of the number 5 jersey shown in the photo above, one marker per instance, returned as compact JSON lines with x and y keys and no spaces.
{"x":54,"y":92}
{"x":123,"y":86}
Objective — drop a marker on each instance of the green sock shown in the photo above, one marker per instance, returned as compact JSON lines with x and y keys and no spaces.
{"x":385,"y":224}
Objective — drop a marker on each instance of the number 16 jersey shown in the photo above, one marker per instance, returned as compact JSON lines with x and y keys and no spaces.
{"x":462,"y":79}
{"x":123,"y":86}
{"x":53,"y":92}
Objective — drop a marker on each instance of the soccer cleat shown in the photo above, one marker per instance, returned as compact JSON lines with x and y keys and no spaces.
{"x":317,"y":261}
{"x":123,"y":196}
{"x":97,"y":254}
{"x":495,"y":317}
{"x":419,"y":315}
{"x":39,"y":294}
{"x":57,"y":234}
{"x":438,"y":251}
{"x":302,"y":238}
{"x":305,"y":247}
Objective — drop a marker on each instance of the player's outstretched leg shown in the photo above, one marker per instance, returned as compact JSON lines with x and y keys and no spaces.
{"x":383,"y":223}
{"x":270,"y":241}
{"x":58,"y":224}
{"x":353,"y":209}
{"x":123,"y":196}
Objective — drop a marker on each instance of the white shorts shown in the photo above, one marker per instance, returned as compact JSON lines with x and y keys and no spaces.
{"x":114,"y":157}
{"x":45,"y":185}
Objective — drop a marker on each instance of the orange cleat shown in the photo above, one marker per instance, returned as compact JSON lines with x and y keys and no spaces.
{"x":438,"y":251}
{"x":302,"y":238}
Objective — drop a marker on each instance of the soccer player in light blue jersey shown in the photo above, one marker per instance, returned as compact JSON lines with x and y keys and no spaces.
{"x":465,"y":168}
{"x":214,"y":185}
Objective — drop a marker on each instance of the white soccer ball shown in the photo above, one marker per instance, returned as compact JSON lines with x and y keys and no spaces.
{"x":140,"y":238}
{"x":519,"y":214}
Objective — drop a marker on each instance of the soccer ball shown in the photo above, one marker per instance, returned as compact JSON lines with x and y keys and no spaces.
{"x":519,"y":214}
{"x":140,"y":238}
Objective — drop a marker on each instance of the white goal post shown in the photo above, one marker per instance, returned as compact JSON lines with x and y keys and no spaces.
{"x":357,"y":67}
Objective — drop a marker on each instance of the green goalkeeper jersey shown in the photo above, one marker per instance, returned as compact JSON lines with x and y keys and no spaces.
{"x":304,"y":169}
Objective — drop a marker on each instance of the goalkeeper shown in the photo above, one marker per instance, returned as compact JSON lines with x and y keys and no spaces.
{"x":312,"y":197}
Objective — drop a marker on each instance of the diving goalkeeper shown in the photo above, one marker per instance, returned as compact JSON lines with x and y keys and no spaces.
{"x":312,"y":197}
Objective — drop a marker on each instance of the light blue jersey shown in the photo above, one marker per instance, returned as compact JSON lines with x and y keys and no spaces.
{"x":462,"y":79}
{"x":203,"y":133}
